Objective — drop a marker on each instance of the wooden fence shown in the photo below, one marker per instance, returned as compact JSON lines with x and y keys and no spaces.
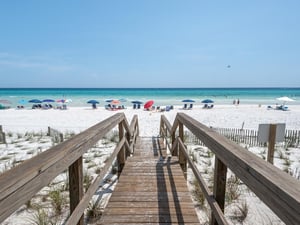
{"x":21,"y":183}
{"x":56,"y":135}
{"x":280,"y":192}
{"x":247,"y":137}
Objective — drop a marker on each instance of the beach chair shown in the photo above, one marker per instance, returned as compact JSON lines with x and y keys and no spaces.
{"x":139,"y":106}
{"x":184,"y":106}
{"x":205,"y":106}
{"x":134,"y":106}
{"x":191,"y":106}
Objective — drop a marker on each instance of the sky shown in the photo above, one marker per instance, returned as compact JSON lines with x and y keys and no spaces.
{"x":149,"y":43}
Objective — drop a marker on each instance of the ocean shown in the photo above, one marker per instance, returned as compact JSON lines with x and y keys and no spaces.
{"x":161,"y":96}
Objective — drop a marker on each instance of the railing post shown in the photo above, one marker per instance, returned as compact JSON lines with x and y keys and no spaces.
{"x":182,"y":159}
{"x":121,"y":155}
{"x":175,"y":152}
{"x":76,"y":186}
{"x":219,"y":186}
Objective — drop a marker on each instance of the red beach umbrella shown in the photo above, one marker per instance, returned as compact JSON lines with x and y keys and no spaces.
{"x":148,"y":104}
{"x":115,"y":102}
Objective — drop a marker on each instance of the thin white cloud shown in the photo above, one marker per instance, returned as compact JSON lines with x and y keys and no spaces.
{"x":29,"y":62}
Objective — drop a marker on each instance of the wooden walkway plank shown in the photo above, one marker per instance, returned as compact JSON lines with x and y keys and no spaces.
{"x":151,"y":190}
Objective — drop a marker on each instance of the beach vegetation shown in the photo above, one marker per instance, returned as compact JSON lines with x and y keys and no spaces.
{"x":4,"y":158}
{"x":193,"y":156}
{"x":232,"y":189}
{"x":240,"y":212}
{"x":41,"y":217}
{"x":286,"y":161}
{"x":98,"y":170}
{"x":197,"y":193}
{"x":91,"y":165}
{"x":57,"y":200}
{"x":87,"y":181}
{"x":94,"y":211}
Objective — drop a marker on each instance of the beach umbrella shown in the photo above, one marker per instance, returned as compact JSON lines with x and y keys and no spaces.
{"x":148,"y":104}
{"x":35,"y":101}
{"x":4,"y":101}
{"x":109,"y":100}
{"x":22,"y":102}
{"x":93,"y":102}
{"x":188,"y":100}
{"x":207,"y":101}
{"x":285,"y":99}
{"x":115,"y":102}
{"x":122,"y":100}
{"x":48,"y":100}
{"x":64,"y":100}
{"x":137,"y":102}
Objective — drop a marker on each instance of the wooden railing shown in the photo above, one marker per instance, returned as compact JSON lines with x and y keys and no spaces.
{"x":21,"y":183}
{"x":279,"y":191}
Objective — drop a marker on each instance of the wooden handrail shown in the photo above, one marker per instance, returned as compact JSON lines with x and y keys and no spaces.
{"x":207,"y":193}
{"x":273,"y":186}
{"x":21,"y":183}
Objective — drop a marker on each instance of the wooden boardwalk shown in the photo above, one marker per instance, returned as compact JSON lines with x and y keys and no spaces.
{"x":151,"y":190}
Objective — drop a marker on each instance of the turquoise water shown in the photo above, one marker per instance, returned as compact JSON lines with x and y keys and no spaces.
{"x":161,"y":96}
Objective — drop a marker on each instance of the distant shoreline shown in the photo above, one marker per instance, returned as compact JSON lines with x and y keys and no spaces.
{"x":161,"y":96}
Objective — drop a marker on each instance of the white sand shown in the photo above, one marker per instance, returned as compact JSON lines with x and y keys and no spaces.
{"x":80,"y":118}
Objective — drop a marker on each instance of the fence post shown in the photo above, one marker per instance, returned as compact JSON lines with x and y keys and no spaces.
{"x":2,"y":136}
{"x":271,"y":145}
{"x":219,"y":188}
{"x":182,"y":159}
{"x":121,"y":155}
{"x":76,"y":186}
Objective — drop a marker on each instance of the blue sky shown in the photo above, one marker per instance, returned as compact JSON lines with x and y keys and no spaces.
{"x":156,"y":43}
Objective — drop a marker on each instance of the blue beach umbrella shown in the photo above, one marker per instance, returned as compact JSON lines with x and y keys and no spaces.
{"x":137,"y":102}
{"x":93,"y":102}
{"x":22,"y":102}
{"x":48,"y":100}
{"x":35,"y":101}
{"x":188,"y":100}
{"x":207,"y":101}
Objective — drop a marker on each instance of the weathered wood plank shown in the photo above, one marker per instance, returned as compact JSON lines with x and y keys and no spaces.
{"x":151,"y":190}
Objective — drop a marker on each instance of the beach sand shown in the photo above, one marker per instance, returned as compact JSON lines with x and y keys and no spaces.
{"x":80,"y":118}
{"x":77,"y":119}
